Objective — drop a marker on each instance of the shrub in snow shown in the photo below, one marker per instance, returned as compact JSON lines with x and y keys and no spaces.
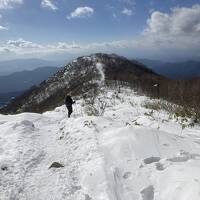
{"x":96,"y":107}
{"x":185,"y":115}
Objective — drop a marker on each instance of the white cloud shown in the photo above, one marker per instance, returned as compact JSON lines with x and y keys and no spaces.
{"x":61,"y":46}
{"x":21,"y":47}
{"x":23,"y":44}
{"x":181,"y":22}
{"x":3,"y":28}
{"x":25,"y":47}
{"x":48,"y":4}
{"x":127,"y":12}
{"x":81,"y":12}
{"x":174,"y":33}
{"x":8,"y":4}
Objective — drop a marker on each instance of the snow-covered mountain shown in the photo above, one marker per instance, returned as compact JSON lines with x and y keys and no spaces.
{"x":80,"y":77}
{"x":114,"y":149}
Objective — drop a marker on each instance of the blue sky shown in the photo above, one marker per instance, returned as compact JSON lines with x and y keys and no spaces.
{"x":55,"y":29}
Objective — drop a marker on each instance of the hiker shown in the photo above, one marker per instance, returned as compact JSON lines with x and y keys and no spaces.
{"x":68,"y":103}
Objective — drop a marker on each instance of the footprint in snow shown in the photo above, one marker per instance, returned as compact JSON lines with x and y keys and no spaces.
{"x":178,"y":159}
{"x":151,"y":160}
{"x":126,"y":175}
{"x":87,"y":197}
{"x":197,"y":142}
{"x":148,"y":193}
{"x":75,"y":148}
{"x":1,"y":151}
{"x":166,"y":145}
{"x":159,"y":166}
{"x":25,"y":124}
{"x":179,"y":137}
{"x":75,"y":188}
{"x":184,"y":157}
{"x":4,"y":167}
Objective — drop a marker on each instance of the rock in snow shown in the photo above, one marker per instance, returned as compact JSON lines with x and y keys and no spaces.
{"x":56,"y":165}
{"x":102,"y":155}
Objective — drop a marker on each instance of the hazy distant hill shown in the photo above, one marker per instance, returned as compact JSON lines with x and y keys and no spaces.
{"x":6,"y":97}
{"x":20,"y":81}
{"x":179,"y":70}
{"x":11,"y":66}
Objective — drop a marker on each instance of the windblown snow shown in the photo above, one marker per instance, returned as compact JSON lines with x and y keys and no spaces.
{"x":128,"y":153}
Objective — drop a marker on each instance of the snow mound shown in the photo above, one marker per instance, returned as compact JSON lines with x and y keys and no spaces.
{"x":26,"y":124}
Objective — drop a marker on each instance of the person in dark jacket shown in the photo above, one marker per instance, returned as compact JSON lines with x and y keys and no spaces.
{"x":68,"y":103}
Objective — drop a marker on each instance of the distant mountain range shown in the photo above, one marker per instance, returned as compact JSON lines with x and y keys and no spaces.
{"x":11,"y":66}
{"x":14,"y":84}
{"x":175,"y":70}
{"x":20,"y":81}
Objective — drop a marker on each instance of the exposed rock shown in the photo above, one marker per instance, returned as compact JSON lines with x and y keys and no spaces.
{"x":151,"y":160}
{"x":56,"y":165}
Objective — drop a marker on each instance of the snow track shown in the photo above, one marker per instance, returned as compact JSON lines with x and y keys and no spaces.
{"x":104,"y":158}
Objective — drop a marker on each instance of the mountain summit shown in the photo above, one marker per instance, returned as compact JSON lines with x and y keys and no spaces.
{"x":80,"y":77}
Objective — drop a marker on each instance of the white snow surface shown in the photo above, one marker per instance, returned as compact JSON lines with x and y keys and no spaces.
{"x":100,"y":68}
{"x":109,"y":157}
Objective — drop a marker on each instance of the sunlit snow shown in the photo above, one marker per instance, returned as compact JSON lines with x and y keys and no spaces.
{"x":129,"y":153}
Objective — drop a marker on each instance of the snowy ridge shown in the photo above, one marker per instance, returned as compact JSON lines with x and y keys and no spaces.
{"x":81,"y":76}
{"x":125,"y":154}
{"x":100,"y":68}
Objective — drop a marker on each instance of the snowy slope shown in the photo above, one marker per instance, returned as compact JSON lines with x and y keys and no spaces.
{"x":126,"y":154}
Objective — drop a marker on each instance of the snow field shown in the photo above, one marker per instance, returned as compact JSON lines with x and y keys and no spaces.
{"x":123,"y":155}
